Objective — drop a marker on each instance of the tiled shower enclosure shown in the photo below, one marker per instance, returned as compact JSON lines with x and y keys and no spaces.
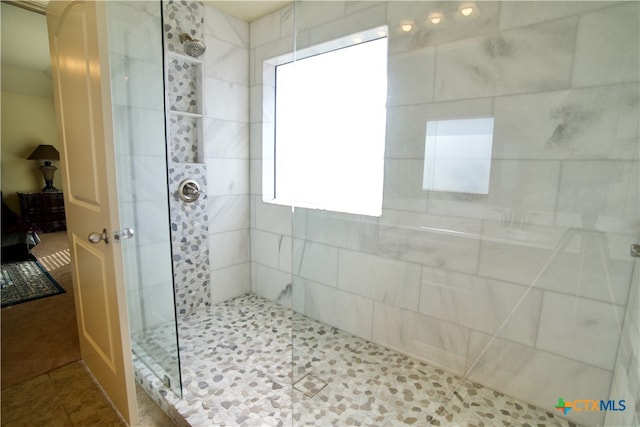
{"x":508,"y":299}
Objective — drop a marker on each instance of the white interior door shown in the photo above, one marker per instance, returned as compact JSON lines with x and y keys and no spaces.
{"x":77,"y":35}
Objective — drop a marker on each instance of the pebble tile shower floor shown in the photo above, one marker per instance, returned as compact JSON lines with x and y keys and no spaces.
{"x":236,"y":361}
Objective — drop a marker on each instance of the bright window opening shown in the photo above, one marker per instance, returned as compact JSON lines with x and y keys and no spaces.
{"x":457,"y":155}
{"x":329,"y":127}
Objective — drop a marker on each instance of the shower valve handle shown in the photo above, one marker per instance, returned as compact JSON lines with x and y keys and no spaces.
{"x":189,"y":190}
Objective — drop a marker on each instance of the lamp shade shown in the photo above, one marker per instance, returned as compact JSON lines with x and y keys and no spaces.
{"x":44,"y":152}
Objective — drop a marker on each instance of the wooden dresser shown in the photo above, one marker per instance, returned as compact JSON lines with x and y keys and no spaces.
{"x":46,"y":210}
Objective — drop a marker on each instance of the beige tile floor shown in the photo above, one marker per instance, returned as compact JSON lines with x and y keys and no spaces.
{"x":68,"y":396}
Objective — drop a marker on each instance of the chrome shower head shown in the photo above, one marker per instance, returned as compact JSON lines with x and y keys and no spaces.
{"x":192,"y":47}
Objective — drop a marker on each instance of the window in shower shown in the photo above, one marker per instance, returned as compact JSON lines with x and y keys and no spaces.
{"x":325,"y":147}
{"x":457,"y":155}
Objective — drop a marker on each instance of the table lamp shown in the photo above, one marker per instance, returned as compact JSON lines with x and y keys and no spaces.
{"x":46,"y":153}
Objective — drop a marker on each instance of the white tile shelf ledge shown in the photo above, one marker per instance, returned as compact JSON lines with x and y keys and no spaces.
{"x":186,"y":114}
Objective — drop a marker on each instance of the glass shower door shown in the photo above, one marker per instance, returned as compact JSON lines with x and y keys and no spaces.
{"x":136,"y":57}
{"x":501,"y":257}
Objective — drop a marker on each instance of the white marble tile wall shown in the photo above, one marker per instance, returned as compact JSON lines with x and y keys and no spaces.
{"x":503,"y":287}
{"x":626,"y":375}
{"x":226,"y":152}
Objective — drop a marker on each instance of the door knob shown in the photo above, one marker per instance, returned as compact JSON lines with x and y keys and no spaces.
{"x":97,"y":237}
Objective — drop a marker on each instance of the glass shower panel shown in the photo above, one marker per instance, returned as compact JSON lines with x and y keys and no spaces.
{"x":135,"y":45}
{"x":499,"y":270}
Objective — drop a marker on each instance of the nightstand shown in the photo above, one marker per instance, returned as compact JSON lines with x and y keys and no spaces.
{"x":45,"y":210}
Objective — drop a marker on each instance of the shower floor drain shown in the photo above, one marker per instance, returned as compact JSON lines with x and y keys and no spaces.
{"x":310,"y":385}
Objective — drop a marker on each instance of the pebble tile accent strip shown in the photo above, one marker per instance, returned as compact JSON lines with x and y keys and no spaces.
{"x":251,"y":362}
{"x":189,"y":240}
{"x":184,"y":139}
{"x":182,"y":17}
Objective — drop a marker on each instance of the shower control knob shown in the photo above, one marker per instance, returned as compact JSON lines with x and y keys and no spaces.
{"x":189,"y":190}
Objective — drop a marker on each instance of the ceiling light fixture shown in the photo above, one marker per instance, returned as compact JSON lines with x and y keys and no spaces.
{"x":435,"y":18}
{"x":406,"y":26}
{"x":467,"y":9}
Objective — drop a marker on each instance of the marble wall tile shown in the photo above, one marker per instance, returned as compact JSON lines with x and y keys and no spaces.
{"x":523,"y":191}
{"x":226,"y":139}
{"x":351,"y":313}
{"x":151,"y":256}
{"x":147,"y":179}
{"x":158,"y":304}
{"x":439,"y":343}
{"x":381,"y":279}
{"x":591,"y":264}
{"x":591,"y":123}
{"x":229,"y":248}
{"x":140,"y":90}
{"x":449,"y":243}
{"x":272,"y":250}
{"x":626,"y":378}
{"x":350,"y":24}
{"x":225,"y":100}
{"x":265,"y":29}
{"x":133,"y":28}
{"x":230,"y":282}
{"x":520,"y":193}
{"x":356,"y":232}
{"x":599,"y":195}
{"x":227,"y":177}
{"x":633,"y":304}
{"x":299,"y":294}
{"x":149,"y":229}
{"x":145,"y":140}
{"x":514,"y":14}
{"x":226,"y":61}
{"x":315,"y":262}
{"x":608,"y":46}
{"x":256,"y":184}
{"x":410,"y":77}
{"x":225,"y":27}
{"x":358,"y":6}
{"x":491,"y":306}
{"x":255,"y":141}
{"x":518,"y":255}
{"x":228,"y":213}
{"x":270,"y":217}
{"x":403,"y":185}
{"x":272,"y":284}
{"x":510,"y":367}
{"x":284,"y":46}
{"x":310,"y":14}
{"x":258,"y":111}
{"x":507,"y":63}
{"x":580,"y":329}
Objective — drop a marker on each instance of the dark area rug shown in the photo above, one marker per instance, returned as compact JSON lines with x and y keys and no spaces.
{"x":24,"y":281}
